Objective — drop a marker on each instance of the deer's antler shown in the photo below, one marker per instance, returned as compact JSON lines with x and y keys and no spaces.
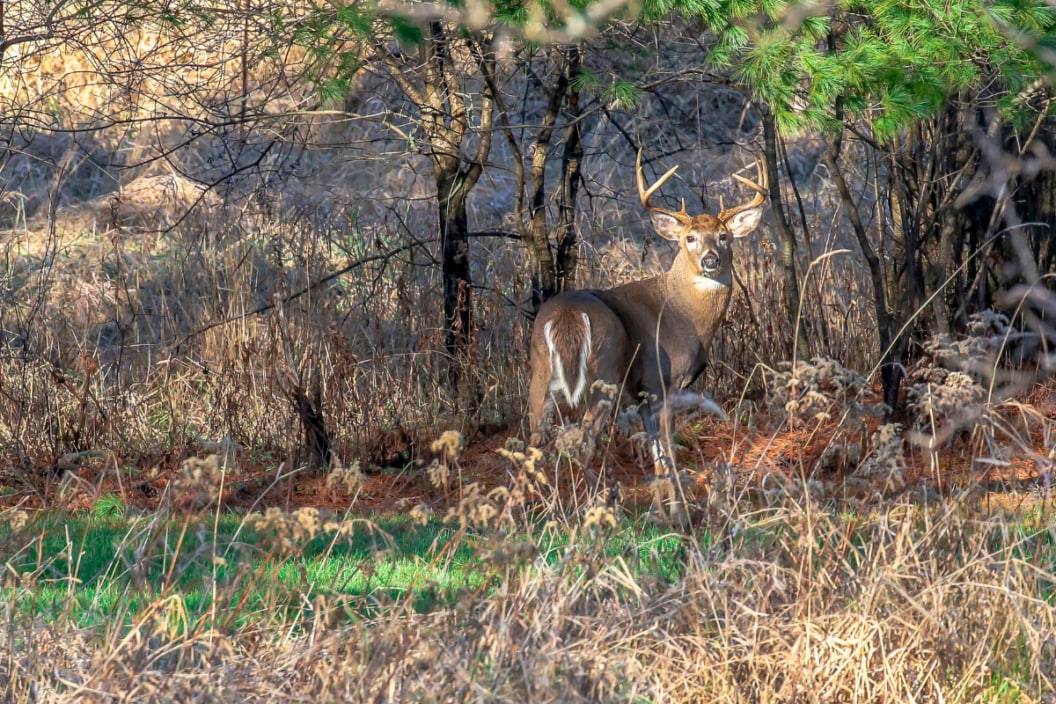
{"x":647,"y":193}
{"x":760,"y":192}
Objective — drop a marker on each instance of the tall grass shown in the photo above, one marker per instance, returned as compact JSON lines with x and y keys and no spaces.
{"x":147,"y":320}
{"x":139,"y":311}
{"x":142,"y":343}
{"x":789,"y":600}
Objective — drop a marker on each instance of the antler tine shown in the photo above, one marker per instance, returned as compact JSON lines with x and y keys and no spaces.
{"x":646,"y":193}
{"x":760,"y":189}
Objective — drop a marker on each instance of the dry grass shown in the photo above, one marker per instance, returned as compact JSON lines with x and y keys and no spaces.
{"x":146,"y":320}
{"x":139,"y":317}
{"x":792,"y":601}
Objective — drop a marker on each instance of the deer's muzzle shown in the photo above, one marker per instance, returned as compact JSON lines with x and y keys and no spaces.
{"x":709,"y":262}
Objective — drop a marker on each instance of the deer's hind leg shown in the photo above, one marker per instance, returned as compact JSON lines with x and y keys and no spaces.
{"x":541,"y":409}
{"x":607,"y":368}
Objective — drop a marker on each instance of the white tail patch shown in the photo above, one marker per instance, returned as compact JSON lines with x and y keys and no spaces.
{"x":558,"y":383}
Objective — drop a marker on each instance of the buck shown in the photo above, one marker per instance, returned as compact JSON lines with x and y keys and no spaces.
{"x":649,"y":338}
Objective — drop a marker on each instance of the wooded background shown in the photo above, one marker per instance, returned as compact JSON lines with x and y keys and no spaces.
{"x":327,"y":225}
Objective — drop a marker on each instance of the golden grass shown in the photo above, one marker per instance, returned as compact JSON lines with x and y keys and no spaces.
{"x":794,"y":602}
{"x":144,"y":344}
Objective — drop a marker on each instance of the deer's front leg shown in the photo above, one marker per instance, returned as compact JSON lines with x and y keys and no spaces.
{"x":668,"y":499}
{"x":659,"y":421}
{"x":659,"y":424}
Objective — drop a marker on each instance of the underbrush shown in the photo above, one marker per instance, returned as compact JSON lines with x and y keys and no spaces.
{"x":171,"y":356}
{"x":784,"y":600}
{"x":138,"y":347}
{"x":171,"y":298}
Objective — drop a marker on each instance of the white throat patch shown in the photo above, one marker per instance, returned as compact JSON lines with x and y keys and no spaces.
{"x":706,"y":283}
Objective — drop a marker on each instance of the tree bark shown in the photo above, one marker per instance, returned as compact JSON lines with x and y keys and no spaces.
{"x":571,"y":163}
{"x":552,"y":250}
{"x":890,"y":354}
{"x":545,"y":279}
{"x":455,"y":269}
{"x":445,"y":108}
{"x":785,"y":233}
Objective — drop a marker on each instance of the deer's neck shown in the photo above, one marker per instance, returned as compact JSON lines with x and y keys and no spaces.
{"x":700,"y":300}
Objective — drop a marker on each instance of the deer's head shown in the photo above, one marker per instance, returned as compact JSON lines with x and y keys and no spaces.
{"x":705,"y":240}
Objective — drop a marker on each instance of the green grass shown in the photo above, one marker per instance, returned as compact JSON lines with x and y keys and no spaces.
{"x":105,"y":567}
{"x":951,"y":591}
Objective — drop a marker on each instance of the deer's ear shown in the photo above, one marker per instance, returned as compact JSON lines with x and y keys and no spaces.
{"x":744,"y":222}
{"x":667,"y":225}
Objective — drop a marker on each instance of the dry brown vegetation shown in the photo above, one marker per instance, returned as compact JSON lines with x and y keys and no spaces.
{"x":157,"y":300}
{"x":792,"y":598}
{"x":161,"y":322}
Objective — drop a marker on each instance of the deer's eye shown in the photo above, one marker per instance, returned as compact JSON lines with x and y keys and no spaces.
{"x":690,"y":239}
{"x":723,"y":238}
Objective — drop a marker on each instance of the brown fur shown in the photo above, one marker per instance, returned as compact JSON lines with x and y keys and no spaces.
{"x":569,"y":334}
{"x":648,"y":337}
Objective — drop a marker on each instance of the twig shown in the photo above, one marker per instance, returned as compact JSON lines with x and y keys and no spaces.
{"x":363,"y":261}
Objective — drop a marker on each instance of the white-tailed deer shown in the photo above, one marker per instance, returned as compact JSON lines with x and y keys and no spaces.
{"x":649,"y":338}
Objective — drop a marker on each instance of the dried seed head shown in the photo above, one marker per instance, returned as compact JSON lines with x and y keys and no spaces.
{"x":199,"y":479}
{"x":421,"y":514}
{"x":309,"y":520}
{"x":569,"y":442}
{"x":448,"y":445}
{"x":438,"y":474}
{"x":599,"y":517}
{"x":348,"y":478}
{"x":16,"y":519}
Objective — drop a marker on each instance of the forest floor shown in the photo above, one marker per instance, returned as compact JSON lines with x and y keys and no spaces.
{"x":760,"y":453}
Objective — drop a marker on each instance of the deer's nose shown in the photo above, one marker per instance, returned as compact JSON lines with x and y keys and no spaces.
{"x":710,"y":261}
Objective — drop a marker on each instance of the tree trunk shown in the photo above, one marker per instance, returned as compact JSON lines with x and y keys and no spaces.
{"x":567,"y":241}
{"x":545,"y":278}
{"x":446,"y":107}
{"x":455,"y":271}
{"x":890,"y":350}
{"x":785,"y":233}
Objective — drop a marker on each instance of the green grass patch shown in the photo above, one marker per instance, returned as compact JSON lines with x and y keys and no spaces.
{"x":105,"y":567}
{"x":964,"y":596}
